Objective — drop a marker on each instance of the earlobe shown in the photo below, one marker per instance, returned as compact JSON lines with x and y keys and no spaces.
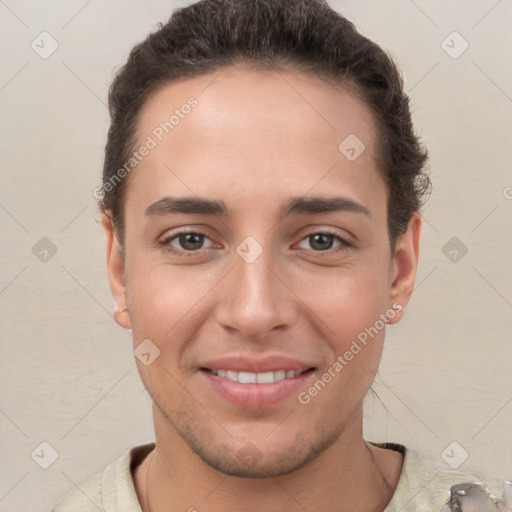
{"x":115,"y":268}
{"x":405,"y":264}
{"x":122,"y":317}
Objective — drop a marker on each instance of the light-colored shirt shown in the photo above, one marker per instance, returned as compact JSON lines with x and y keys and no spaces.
{"x":423,"y":486}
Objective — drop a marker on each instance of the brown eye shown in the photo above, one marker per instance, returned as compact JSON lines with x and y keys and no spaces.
{"x":323,"y":241}
{"x":190,"y":241}
{"x":185,"y":243}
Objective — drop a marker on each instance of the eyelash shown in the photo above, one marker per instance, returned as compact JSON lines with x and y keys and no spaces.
{"x":165,"y":243}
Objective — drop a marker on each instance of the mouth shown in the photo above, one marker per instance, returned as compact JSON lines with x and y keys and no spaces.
{"x":255,"y":390}
{"x":244,"y":377}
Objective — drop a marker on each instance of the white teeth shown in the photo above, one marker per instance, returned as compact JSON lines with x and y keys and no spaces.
{"x":231,"y":375}
{"x":256,"y":378}
{"x":280,"y":375}
{"x":265,"y":378}
{"x":247,"y":377}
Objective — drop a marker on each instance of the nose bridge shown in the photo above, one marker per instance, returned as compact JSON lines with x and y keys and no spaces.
{"x":255,"y":300}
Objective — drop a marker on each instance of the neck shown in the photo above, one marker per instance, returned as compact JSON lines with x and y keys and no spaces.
{"x":350,"y":475}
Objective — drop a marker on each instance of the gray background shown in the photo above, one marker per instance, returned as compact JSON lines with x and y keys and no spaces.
{"x":67,"y":371}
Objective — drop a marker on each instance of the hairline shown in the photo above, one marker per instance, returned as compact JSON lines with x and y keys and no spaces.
{"x":274,"y":65}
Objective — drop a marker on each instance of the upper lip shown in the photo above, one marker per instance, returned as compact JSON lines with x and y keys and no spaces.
{"x":244,"y":363}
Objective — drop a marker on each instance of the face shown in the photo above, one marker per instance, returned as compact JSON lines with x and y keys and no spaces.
{"x":277,"y":262}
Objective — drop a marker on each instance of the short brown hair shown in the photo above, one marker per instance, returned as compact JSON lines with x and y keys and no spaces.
{"x":307,"y":35}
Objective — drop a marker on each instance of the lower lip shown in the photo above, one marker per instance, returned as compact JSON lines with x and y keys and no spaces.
{"x":256,"y":396}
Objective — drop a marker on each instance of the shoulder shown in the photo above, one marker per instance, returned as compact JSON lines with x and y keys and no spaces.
{"x":110,"y":490}
{"x":84,"y":498}
{"x":424,"y":484}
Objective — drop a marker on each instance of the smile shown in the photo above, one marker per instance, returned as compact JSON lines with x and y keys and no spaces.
{"x":256,"y":378}
{"x":256,"y":389}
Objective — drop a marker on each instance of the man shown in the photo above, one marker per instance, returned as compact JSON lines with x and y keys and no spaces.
{"x":260,"y":199}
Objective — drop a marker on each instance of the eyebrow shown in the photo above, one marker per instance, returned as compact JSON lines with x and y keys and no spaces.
{"x":295,"y":205}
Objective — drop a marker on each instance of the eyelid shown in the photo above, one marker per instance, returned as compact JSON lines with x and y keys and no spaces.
{"x":345,"y":242}
{"x":164,"y":242}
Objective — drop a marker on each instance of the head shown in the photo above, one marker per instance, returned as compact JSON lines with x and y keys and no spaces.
{"x":296,"y":131}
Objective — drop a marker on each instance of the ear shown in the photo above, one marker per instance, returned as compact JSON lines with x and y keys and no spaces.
{"x":115,"y":267}
{"x":404,"y":266}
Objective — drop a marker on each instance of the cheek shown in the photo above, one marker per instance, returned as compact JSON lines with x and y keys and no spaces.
{"x":347,"y":300}
{"x":169,"y":301}
{"x":354,"y":331}
{"x":350,"y":304}
{"x":166,"y":302}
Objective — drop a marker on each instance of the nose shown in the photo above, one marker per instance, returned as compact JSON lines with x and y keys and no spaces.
{"x":255,"y":298}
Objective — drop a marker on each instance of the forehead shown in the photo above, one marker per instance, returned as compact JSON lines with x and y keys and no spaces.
{"x":256,"y":132}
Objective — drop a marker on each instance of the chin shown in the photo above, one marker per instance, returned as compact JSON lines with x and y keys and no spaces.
{"x":256,"y":465}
